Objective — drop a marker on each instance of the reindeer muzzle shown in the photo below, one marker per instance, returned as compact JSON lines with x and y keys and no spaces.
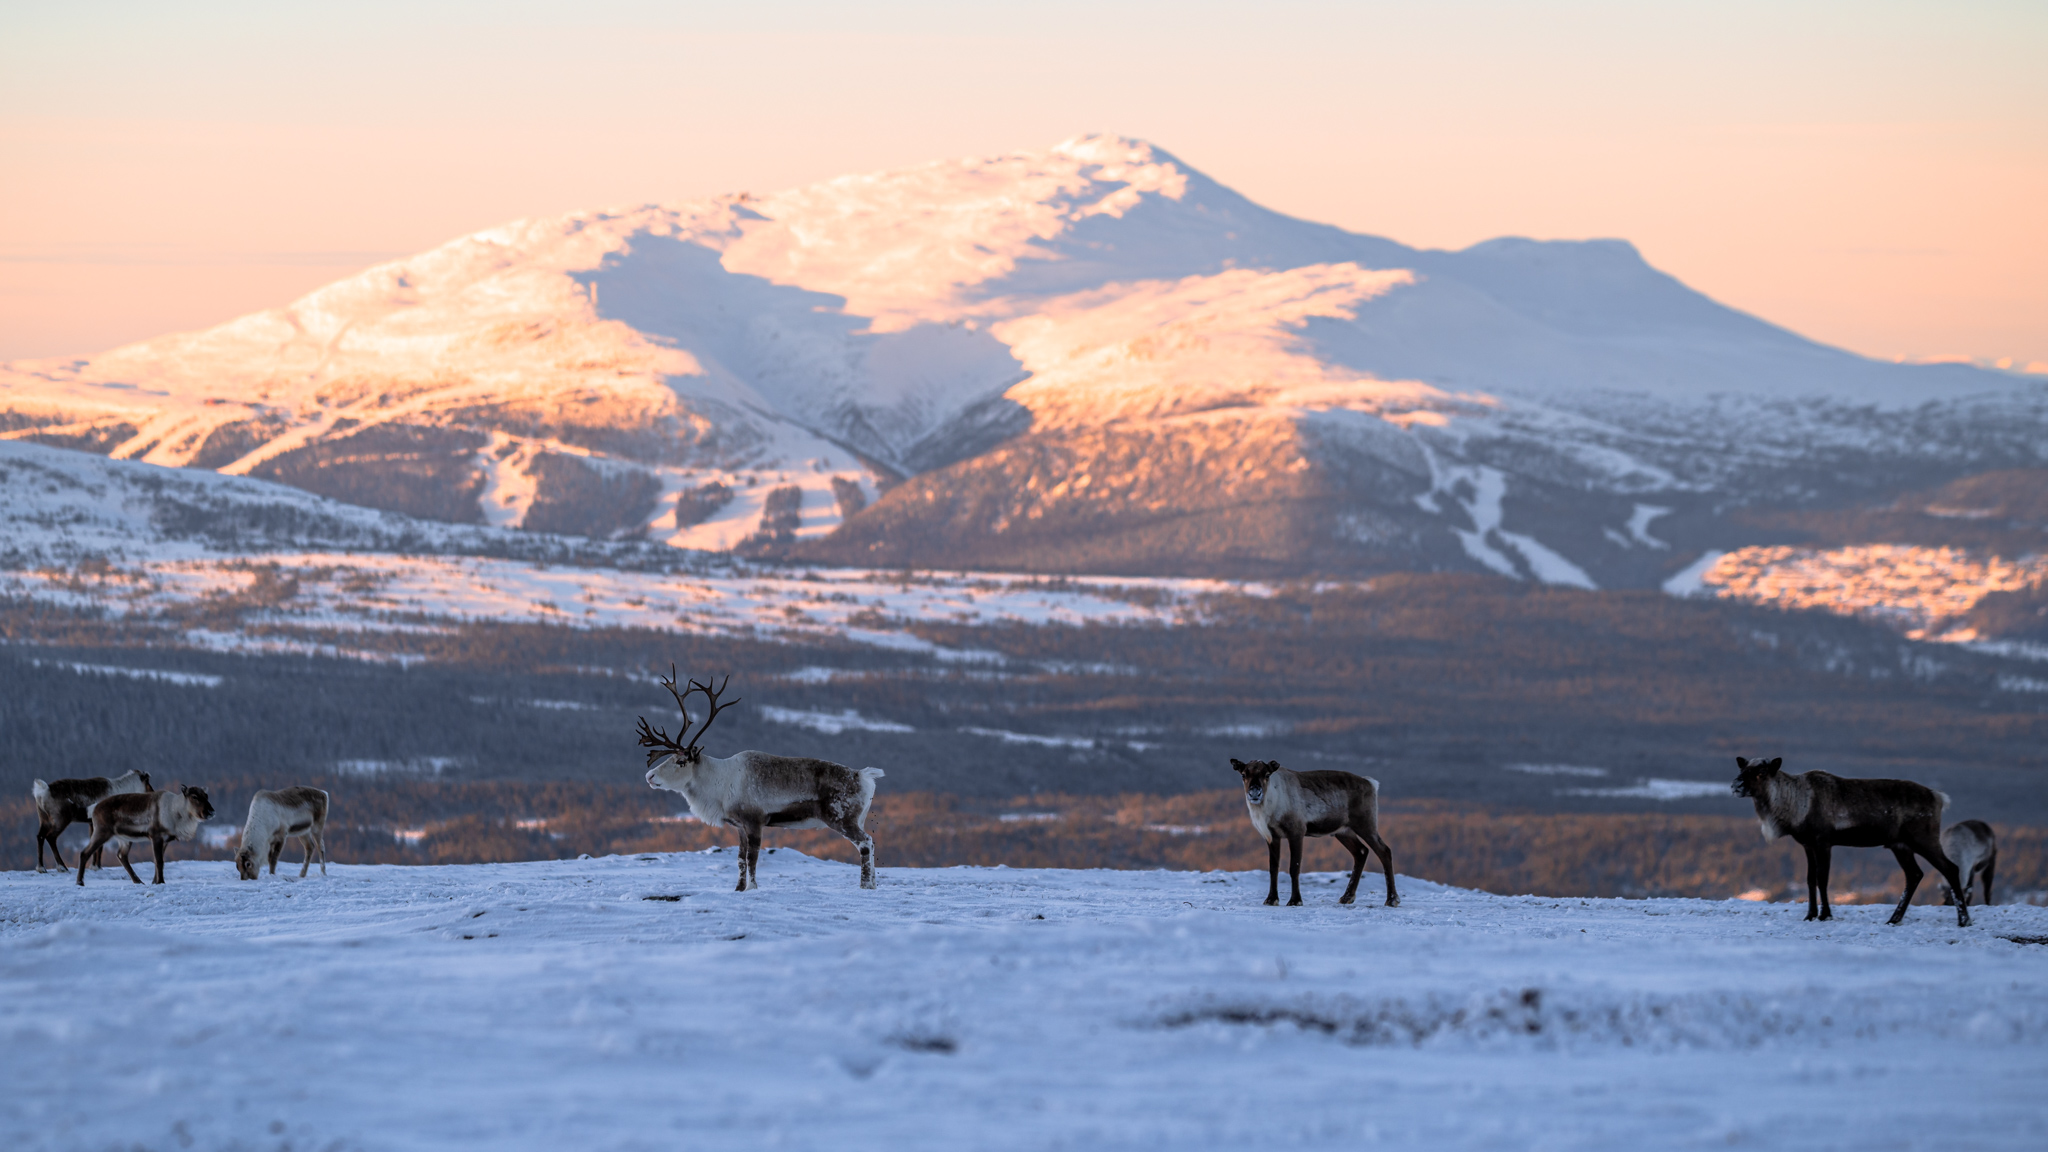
{"x":1256,"y":794}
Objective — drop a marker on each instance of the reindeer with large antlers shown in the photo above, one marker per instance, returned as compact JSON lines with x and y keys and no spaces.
{"x":755,"y":790}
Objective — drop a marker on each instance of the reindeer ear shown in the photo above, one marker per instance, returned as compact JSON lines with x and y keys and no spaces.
{"x":1776,"y":763}
{"x":1236,"y":765}
{"x":1741,"y":762}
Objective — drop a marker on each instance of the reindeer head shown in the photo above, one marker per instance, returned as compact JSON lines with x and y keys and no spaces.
{"x":668,"y":761}
{"x":144,"y":777}
{"x":195,"y":799}
{"x":245,"y":863}
{"x":1752,"y":776}
{"x":1254,"y":775}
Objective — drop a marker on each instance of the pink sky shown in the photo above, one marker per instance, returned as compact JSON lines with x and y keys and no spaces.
{"x":1870,"y":174}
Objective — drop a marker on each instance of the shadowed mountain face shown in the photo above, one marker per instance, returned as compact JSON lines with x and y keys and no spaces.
{"x":1088,"y":359}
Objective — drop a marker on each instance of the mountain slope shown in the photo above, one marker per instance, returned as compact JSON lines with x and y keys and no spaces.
{"x":1090,"y":358}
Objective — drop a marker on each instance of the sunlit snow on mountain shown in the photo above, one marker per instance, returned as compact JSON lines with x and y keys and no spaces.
{"x":1090,"y":359}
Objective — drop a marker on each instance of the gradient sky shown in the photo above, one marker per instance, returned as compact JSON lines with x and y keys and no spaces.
{"x":1874,"y":175}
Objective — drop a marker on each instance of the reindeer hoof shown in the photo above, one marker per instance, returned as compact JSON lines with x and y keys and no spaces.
{"x":1294,"y":903}
{"x":1272,"y":900}
{"x":1393,"y":901}
{"x":1346,"y":898}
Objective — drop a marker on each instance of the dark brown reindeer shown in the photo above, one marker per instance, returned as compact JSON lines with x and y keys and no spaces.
{"x":62,"y":803}
{"x":1974,"y":848}
{"x":158,"y":817}
{"x":1822,"y":811}
{"x":755,"y":790}
{"x":1289,"y":805}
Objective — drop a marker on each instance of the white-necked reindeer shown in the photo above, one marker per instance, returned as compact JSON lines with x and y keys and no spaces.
{"x":296,"y":813}
{"x":755,"y":790}
{"x":62,"y":803}
{"x":158,"y":817}
{"x":1289,"y":805}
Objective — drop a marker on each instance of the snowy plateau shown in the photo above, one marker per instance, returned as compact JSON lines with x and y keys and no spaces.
{"x":636,"y":1002}
{"x":1091,"y":359}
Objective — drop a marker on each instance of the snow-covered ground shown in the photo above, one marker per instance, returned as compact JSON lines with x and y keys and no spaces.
{"x":637,"y":1002}
{"x":363,"y":591}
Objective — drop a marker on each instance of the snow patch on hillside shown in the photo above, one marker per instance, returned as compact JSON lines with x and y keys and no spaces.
{"x":1914,"y":588}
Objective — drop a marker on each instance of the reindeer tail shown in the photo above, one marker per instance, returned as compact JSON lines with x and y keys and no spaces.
{"x":42,"y":791}
{"x":868,"y":777}
{"x":1943,"y":797}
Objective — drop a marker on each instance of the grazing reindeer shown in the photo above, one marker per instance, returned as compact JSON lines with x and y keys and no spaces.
{"x":1821,"y":810}
{"x":158,"y":817}
{"x":1974,"y":848}
{"x":755,"y":790}
{"x":1291,"y":805}
{"x":62,"y":803}
{"x":289,"y":813}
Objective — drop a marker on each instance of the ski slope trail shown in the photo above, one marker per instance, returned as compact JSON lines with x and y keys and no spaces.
{"x":638,"y":1002}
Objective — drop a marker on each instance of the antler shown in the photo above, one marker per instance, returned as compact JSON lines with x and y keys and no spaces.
{"x":716,"y":707}
{"x":655,"y":740}
{"x":686,"y":744}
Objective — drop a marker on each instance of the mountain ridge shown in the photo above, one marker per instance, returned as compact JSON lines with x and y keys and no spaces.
{"x":1096,"y":337}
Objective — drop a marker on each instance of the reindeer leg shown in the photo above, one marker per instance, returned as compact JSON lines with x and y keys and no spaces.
{"x":1913,"y":874}
{"x":750,"y":855}
{"x":1956,"y":883}
{"x":98,"y":841}
{"x":1987,"y":880}
{"x":1358,"y":850}
{"x":1816,"y":873}
{"x":123,"y":854}
{"x":1273,"y":868}
{"x":865,"y":843}
{"x":1827,"y":863}
{"x":306,"y":846}
{"x":156,"y":844}
{"x":1379,"y":848}
{"x":1294,"y":867}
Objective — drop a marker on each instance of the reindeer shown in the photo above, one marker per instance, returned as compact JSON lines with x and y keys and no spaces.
{"x":755,"y":790}
{"x":62,"y":803}
{"x":297,"y":813}
{"x":1821,"y":811}
{"x":1290,"y":804}
{"x":157,"y":817}
{"x":1974,"y":848}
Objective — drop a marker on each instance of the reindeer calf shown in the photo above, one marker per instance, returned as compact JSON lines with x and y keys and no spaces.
{"x":158,"y":817}
{"x":1289,"y":804}
{"x":62,"y":803}
{"x":298,"y":813}
{"x":1820,"y":810}
{"x":1974,"y":848}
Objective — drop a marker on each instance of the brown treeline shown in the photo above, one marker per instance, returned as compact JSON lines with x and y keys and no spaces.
{"x":1468,"y":845}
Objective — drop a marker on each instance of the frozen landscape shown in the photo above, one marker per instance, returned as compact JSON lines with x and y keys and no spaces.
{"x":1088,"y":358}
{"x":637,"y":1002}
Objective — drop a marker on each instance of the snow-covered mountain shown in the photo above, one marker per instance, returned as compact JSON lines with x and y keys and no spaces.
{"x":1092,"y":358}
